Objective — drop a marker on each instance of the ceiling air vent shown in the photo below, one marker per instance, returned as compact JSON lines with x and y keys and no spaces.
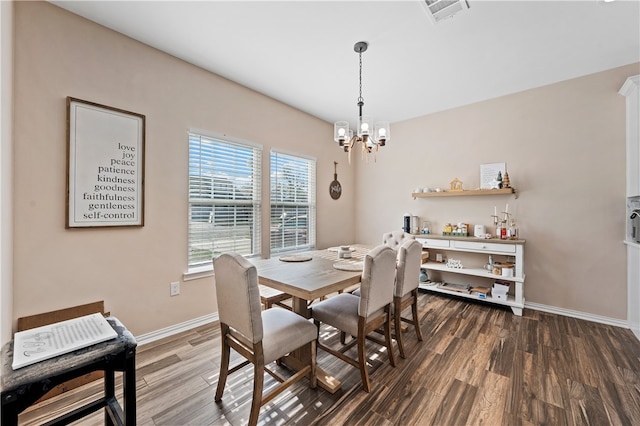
{"x":439,"y":10}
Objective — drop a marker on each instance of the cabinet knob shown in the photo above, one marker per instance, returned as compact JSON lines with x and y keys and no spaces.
{"x":483,"y":246}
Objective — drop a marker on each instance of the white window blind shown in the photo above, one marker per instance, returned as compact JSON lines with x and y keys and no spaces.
{"x":293,"y":202}
{"x":224,"y":198}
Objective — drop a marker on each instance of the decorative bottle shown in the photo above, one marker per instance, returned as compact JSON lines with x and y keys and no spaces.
{"x":513,"y":231}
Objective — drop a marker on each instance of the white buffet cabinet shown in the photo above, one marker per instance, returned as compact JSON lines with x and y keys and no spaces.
{"x":501,"y":250}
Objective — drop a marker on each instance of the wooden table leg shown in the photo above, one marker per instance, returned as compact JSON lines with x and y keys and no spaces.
{"x":300,"y":307}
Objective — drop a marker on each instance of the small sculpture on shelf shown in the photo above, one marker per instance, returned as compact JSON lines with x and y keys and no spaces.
{"x":454,"y":263}
{"x":426,"y":227}
{"x":505,"y":181}
{"x":456,"y":185}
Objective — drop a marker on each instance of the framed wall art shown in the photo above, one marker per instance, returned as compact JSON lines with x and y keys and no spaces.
{"x":105,"y":173}
{"x":489,"y":173}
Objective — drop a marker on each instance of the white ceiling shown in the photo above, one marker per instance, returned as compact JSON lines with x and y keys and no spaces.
{"x":301,"y":52}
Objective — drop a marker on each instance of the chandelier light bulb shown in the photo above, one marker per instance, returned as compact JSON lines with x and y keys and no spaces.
{"x":381,"y":132}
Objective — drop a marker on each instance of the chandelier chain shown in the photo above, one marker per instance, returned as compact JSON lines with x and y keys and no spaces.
{"x":360,"y":98}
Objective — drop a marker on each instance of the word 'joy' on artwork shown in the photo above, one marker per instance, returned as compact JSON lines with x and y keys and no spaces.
{"x":128,"y":152}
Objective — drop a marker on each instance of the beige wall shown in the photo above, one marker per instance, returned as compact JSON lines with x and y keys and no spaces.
{"x":564,"y":146}
{"x":59,"y":54}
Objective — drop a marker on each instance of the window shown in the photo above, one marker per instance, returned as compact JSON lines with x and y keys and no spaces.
{"x":224,"y":198}
{"x":293,"y":202}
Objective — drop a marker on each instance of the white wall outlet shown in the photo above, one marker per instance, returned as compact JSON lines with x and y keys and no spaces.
{"x":174,"y":289}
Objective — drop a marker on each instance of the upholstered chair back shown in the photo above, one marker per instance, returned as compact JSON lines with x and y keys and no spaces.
{"x":408,"y":267}
{"x":378,"y":277}
{"x":238,"y":295}
{"x":395,"y":239}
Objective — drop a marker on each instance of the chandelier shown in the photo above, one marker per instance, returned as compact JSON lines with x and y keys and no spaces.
{"x":369,"y":140}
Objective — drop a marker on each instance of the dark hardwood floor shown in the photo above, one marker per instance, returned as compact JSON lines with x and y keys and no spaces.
{"x":479,"y":364}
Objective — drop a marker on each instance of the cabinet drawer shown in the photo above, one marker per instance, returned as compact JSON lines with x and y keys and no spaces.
{"x":482,"y":246}
{"x":430,"y":242}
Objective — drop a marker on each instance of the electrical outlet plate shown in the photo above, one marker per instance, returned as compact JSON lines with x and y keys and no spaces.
{"x":174,"y":289}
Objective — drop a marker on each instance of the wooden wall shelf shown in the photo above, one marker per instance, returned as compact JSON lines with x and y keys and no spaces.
{"x":503,"y":191}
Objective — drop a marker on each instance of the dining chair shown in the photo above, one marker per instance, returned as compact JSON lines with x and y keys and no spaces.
{"x":405,"y":293}
{"x":359,"y":316}
{"x":260,"y":336}
{"x":395,"y":239}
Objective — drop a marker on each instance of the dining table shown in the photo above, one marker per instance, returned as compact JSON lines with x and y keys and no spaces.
{"x":307,"y":277}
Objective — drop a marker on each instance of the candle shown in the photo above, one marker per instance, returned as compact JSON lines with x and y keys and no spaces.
{"x":506,"y":210}
{"x":495,"y":211}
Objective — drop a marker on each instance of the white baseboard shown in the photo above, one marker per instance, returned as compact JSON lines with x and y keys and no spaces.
{"x":577,"y":314}
{"x":143,"y":339}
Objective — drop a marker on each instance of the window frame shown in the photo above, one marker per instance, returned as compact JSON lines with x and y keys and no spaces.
{"x":310,"y":205}
{"x":255,"y":153}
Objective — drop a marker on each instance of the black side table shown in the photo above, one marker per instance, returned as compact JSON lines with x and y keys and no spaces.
{"x":22,"y":387}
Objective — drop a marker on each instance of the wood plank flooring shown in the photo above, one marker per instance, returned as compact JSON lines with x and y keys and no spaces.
{"x":478,"y":365}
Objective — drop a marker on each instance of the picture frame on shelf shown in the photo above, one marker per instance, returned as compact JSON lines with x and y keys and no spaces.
{"x":489,"y":172}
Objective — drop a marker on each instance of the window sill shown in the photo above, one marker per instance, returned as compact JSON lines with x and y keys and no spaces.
{"x":198,"y":272}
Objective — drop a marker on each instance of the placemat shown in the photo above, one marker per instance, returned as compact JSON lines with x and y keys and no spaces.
{"x":349,"y":266}
{"x":296,"y":258}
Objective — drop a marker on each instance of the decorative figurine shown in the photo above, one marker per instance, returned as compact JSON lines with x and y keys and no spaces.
{"x":499,"y":179}
{"x":426,"y":227}
{"x":456,"y":185}
{"x":454,"y":263}
{"x":505,"y":181}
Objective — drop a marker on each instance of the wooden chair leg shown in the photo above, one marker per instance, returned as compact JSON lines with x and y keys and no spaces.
{"x":387,"y":338}
{"x":224,"y":363}
{"x":314,"y":352}
{"x":397,"y":323}
{"x":414,"y":311}
{"x":256,"y":402}
{"x":362,"y":361}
